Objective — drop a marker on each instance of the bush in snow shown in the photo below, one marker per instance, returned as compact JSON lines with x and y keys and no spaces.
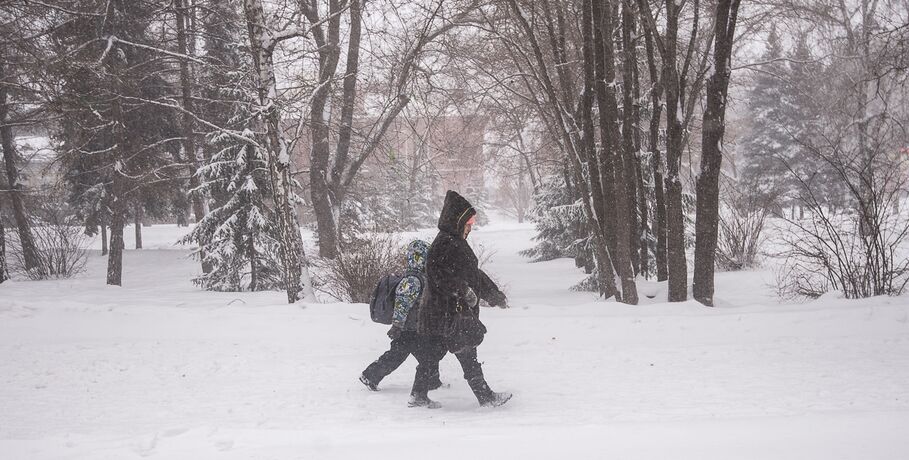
{"x":741,"y":229}
{"x":861,"y":250}
{"x":59,"y":240}
{"x":239,"y":238}
{"x":352,"y":276}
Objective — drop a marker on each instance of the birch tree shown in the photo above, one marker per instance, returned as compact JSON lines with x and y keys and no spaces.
{"x":262,"y":41}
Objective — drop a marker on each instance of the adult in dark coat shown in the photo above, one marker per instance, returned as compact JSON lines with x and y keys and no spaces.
{"x":453,"y":278}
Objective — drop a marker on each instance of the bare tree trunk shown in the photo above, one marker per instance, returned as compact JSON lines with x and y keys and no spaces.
{"x":4,"y":272}
{"x":711,"y":155}
{"x":118,"y":203}
{"x":253,"y":265}
{"x":643,"y":198}
{"x":187,"y":122}
{"x":609,"y":134}
{"x":601,"y":207}
{"x":104,"y":240}
{"x":675,"y":229}
{"x":296,"y":273}
{"x":115,"y":258}
{"x":348,"y":100}
{"x":605,"y":161}
{"x":10,"y":157}
{"x":137,"y":220}
{"x":629,"y":150}
{"x":323,"y":201}
{"x":656,"y":166}
{"x":644,"y":229}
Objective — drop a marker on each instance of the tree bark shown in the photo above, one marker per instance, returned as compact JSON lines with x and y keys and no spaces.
{"x":4,"y":272}
{"x":604,"y":51}
{"x":104,"y":240}
{"x":714,"y":127}
{"x":115,"y":257}
{"x":326,"y":206}
{"x":629,"y":128}
{"x":601,"y":206}
{"x":119,"y":204}
{"x":296,"y":273}
{"x":10,"y":158}
{"x":675,"y":229}
{"x":187,"y":123}
{"x":137,"y":220}
{"x":253,"y":265}
{"x":656,"y":163}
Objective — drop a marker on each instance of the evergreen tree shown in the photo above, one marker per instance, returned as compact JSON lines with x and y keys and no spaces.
{"x":239,"y":239}
{"x":810,"y":81}
{"x":559,"y":222}
{"x":112,"y":133}
{"x":785,"y":107}
{"x":768,"y":141}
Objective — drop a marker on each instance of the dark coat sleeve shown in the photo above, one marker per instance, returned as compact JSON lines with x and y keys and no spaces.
{"x":487,"y":290}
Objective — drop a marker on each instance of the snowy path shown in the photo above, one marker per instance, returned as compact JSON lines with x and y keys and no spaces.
{"x":159,"y":369}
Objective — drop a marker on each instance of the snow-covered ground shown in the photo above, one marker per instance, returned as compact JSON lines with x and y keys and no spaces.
{"x":160,"y":369}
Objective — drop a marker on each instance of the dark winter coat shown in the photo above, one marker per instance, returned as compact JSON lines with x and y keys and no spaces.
{"x":451,"y":269}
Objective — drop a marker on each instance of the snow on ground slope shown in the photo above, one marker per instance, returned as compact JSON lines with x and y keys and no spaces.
{"x":159,"y":369}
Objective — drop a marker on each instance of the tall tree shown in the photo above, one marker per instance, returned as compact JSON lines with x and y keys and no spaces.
{"x":11,"y":158}
{"x":630,"y":141}
{"x":116,"y":135}
{"x":563,"y":115}
{"x":333,"y":170}
{"x":184,"y":18}
{"x":262,"y":46}
{"x":708,"y":188}
{"x":681,"y":94}
{"x":610,"y":138}
{"x":656,"y":161}
{"x":4,"y":273}
{"x":240,"y":237}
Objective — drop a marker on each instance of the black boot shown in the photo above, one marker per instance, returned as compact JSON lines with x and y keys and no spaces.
{"x":485,"y":396}
{"x":422,"y":400}
{"x":369,"y":384}
{"x":496,"y":399}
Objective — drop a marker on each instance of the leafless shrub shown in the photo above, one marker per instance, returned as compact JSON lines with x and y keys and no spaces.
{"x":60,"y":242}
{"x":741,"y":230}
{"x":352,"y":276}
{"x":861,"y":250}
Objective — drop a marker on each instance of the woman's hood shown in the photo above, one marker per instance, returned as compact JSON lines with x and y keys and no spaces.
{"x":455,"y":213}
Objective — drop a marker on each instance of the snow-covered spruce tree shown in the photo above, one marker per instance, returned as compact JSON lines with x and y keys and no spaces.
{"x":113,"y":131}
{"x":559,"y":222}
{"x":239,"y":239}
